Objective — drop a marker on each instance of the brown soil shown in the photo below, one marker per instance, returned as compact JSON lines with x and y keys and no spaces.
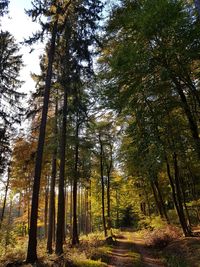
{"x":149,"y":257}
{"x":120,"y":256}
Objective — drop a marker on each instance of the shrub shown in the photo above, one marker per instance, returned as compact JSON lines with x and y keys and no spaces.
{"x":152,"y":223}
{"x":160,"y":238}
{"x":101,"y":253}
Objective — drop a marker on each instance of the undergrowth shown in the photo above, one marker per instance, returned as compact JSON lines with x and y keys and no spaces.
{"x":175,"y":261}
{"x":160,"y":238}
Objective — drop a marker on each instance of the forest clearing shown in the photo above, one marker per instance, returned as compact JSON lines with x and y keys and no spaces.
{"x":100,"y":145}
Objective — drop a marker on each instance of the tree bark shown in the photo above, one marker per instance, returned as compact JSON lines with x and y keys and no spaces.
{"x":51,"y":219}
{"x":90,"y":207}
{"x":75,"y":238}
{"x":102,"y":187}
{"x":61,"y":195}
{"x":46,"y":206}
{"x":86,"y":212}
{"x":158,"y":206}
{"x":5,"y":198}
{"x":9,"y":223}
{"x":185,"y":227}
{"x":192,"y":123}
{"x":117,"y":208}
{"x":66,"y":209}
{"x":71,"y":208}
{"x":109,"y":169}
{"x":162,"y":204}
{"x":177,"y":200}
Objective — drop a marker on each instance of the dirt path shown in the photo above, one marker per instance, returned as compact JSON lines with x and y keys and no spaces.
{"x":133,"y":252}
{"x":120,"y":255}
{"x":149,"y":258}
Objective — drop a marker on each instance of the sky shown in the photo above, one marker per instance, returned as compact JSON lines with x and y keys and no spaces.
{"x":21,"y":26}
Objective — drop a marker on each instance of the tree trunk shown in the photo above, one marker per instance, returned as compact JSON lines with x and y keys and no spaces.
{"x":177,"y":200}
{"x":102,"y":187}
{"x":7,"y":241}
{"x":32,"y":243}
{"x":5,"y":198}
{"x":71,"y":208}
{"x":46,"y":206}
{"x":61,"y":195}
{"x":158,"y":206}
{"x":66,"y":209}
{"x":79,"y":208}
{"x":109,"y":168}
{"x":108,"y":165}
{"x":19,"y":206}
{"x":90,"y":207}
{"x":117,"y":209}
{"x":86,"y":212}
{"x":188,"y":113}
{"x":162,"y":204}
{"x":75,"y":238}
{"x":147,"y":200}
{"x":83,"y":211}
{"x":51,"y":223}
{"x":185,"y":227}
{"x":183,"y":190}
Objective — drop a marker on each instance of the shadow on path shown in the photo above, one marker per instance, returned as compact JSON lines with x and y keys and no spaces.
{"x":121,"y":254}
{"x":133,"y":253}
{"x":149,"y":257}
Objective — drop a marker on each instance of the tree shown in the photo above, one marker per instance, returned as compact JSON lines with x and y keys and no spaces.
{"x":51,"y":221}
{"x":197,"y":5}
{"x":149,"y":78}
{"x":3,"y":7}
{"x":61,"y":197}
{"x":158,"y":55}
{"x":11,"y":110}
{"x":52,"y":11}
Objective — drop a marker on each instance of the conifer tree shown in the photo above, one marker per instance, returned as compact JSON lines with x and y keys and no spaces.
{"x":11,"y":109}
{"x":54,"y":11}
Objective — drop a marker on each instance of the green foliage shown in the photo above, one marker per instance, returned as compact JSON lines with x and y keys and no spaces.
{"x":8,"y":236}
{"x":154,"y":222}
{"x":147,"y":72}
{"x":11,"y":110}
{"x":128,"y":218}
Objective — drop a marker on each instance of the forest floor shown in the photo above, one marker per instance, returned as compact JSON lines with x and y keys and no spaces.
{"x":129,"y":249}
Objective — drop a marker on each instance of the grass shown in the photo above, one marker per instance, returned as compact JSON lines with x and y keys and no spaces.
{"x":13,"y":252}
{"x":101,"y":253}
{"x":85,"y":259}
{"x":89,"y":263}
{"x":176,"y":261}
{"x":136,"y":257}
{"x":184,"y":252}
